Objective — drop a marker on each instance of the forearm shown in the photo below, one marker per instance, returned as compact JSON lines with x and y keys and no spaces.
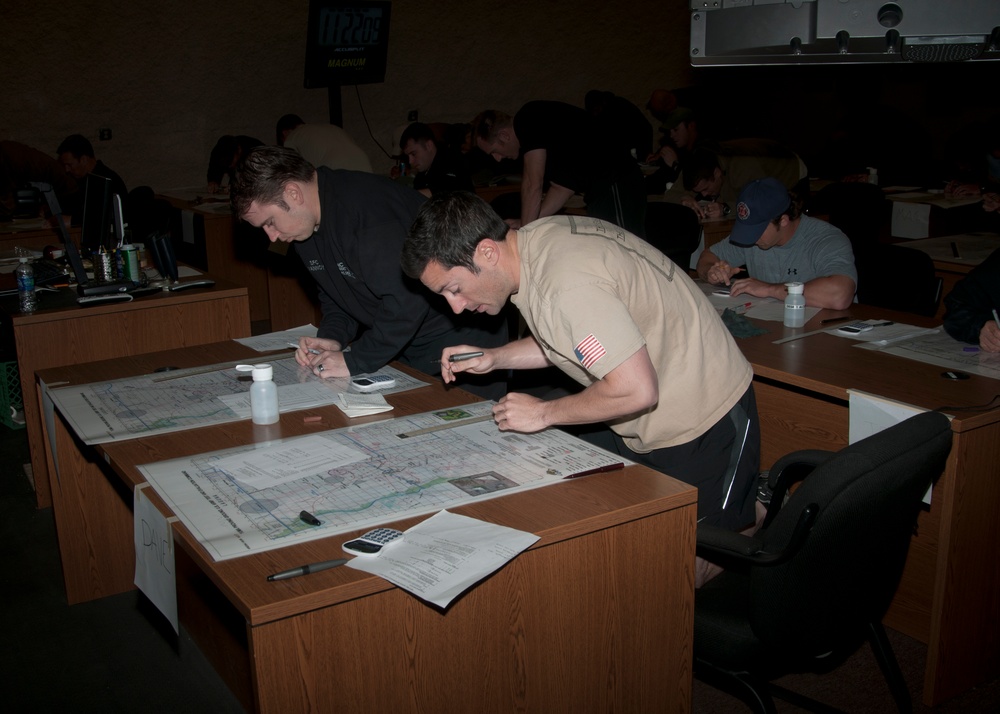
{"x":554,"y":200}
{"x":531,"y":201}
{"x":835,"y":292}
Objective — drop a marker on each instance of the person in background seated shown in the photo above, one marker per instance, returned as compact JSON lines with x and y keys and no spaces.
{"x":970,"y":306}
{"x":438,"y":168}
{"x":226,"y":154}
{"x":564,"y":147}
{"x":76,"y":154}
{"x":654,"y":360}
{"x":711,"y":179}
{"x":321,"y":144}
{"x":779,"y":245}
{"x":348,"y":229}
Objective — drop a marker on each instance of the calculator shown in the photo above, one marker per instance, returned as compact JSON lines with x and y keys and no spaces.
{"x":854,"y":328}
{"x":372,"y":542}
{"x":373,"y":382}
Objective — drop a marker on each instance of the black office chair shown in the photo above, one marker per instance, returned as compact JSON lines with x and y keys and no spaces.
{"x":897,"y":278}
{"x":889,"y":275}
{"x":814,"y":582}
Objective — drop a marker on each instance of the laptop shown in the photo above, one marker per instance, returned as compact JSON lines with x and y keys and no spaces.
{"x":85,"y":286}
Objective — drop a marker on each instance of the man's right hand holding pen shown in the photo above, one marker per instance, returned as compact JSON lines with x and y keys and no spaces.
{"x":465,"y":358}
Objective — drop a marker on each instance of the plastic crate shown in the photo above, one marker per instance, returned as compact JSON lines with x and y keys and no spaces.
{"x":11,"y":400}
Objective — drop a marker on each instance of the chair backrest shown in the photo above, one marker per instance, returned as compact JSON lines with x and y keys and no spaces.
{"x":846,"y":573}
{"x":912,"y":285}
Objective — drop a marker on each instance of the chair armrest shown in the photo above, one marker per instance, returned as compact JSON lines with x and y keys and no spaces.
{"x":787,"y":471}
{"x":712,"y":539}
{"x":717,"y":544}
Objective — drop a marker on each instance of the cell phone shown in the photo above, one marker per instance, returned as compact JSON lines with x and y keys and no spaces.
{"x":372,"y":542}
{"x":373,"y":382}
{"x":854,"y":328}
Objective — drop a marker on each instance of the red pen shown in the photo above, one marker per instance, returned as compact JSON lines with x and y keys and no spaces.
{"x":740,"y":309}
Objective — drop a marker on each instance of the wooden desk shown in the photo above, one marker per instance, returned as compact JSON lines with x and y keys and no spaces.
{"x":61,"y":332}
{"x":949,"y":596}
{"x":239,"y":253}
{"x":597,"y":616}
{"x":33,"y":233}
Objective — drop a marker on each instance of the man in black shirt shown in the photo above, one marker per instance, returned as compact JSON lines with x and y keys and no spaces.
{"x":348,"y":227}
{"x":76,"y":155}
{"x":438,"y":168}
{"x":563,"y":146}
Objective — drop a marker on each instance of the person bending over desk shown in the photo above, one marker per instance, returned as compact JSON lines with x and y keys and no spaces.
{"x":621,"y":319}
{"x":348,"y":228}
{"x":779,"y":245}
{"x":969,"y":307}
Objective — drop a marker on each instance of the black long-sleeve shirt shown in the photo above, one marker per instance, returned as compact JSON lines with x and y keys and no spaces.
{"x":971,"y":302}
{"x":366,"y":299}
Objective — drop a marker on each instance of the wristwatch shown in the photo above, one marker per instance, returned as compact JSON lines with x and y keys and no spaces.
{"x":726,"y":210}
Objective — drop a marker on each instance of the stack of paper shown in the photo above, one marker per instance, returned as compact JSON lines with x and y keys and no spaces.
{"x":356,"y":405}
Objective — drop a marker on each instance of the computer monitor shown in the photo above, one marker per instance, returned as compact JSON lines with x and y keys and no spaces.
{"x":97,"y":226}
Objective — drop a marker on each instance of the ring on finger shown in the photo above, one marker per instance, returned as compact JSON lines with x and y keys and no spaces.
{"x":321,"y":368}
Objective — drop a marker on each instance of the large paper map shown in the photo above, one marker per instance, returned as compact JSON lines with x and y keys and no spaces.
{"x":248,"y":499}
{"x":186,"y":399}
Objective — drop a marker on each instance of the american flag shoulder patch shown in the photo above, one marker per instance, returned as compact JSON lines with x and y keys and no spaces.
{"x":589,"y":351}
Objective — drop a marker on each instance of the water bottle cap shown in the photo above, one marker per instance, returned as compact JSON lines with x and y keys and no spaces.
{"x":260,"y":372}
{"x":795,"y":288}
{"x":22,"y":260}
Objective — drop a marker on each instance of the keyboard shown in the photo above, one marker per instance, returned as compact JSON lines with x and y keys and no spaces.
{"x":49,"y":271}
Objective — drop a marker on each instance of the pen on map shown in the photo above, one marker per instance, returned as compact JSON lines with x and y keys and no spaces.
{"x":828,"y":320}
{"x":295,"y":346}
{"x":307,"y":569}
{"x":740,"y":309}
{"x":599,"y":470}
{"x":462,"y":356}
{"x":954,"y":249}
{"x":996,"y":318}
{"x":307,"y":517}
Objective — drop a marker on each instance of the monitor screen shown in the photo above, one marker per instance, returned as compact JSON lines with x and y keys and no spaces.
{"x":97,"y":227}
{"x":347,"y":43}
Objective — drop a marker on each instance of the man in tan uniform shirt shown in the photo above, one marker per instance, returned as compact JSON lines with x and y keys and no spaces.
{"x":656,"y":363}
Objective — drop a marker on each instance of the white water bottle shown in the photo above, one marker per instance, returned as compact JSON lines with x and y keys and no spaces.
{"x":795,"y":305}
{"x":26,"y":285}
{"x":263,"y":393}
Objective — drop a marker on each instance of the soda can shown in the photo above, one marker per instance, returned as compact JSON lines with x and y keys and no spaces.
{"x":130,"y":262}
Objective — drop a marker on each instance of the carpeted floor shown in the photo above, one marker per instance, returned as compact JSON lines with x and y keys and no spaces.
{"x":118,"y":655}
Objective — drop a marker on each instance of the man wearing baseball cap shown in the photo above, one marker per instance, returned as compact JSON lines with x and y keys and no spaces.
{"x":779,"y":245}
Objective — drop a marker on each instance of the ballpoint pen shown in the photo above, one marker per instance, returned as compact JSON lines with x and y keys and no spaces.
{"x":996,"y":318}
{"x":828,"y":320}
{"x":462,"y":356}
{"x":307,"y":569}
{"x":295,"y":346}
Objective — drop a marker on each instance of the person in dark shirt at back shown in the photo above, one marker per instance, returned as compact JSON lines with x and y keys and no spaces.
{"x":76,"y":155}
{"x":564,"y":147}
{"x":438,"y":168}
{"x":225,"y":155}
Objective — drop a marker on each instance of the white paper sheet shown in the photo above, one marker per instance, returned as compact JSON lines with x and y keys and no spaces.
{"x":439,"y":559}
{"x":154,"y":555}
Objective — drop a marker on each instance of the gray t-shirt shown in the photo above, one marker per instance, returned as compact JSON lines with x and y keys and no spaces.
{"x":817,"y":250}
